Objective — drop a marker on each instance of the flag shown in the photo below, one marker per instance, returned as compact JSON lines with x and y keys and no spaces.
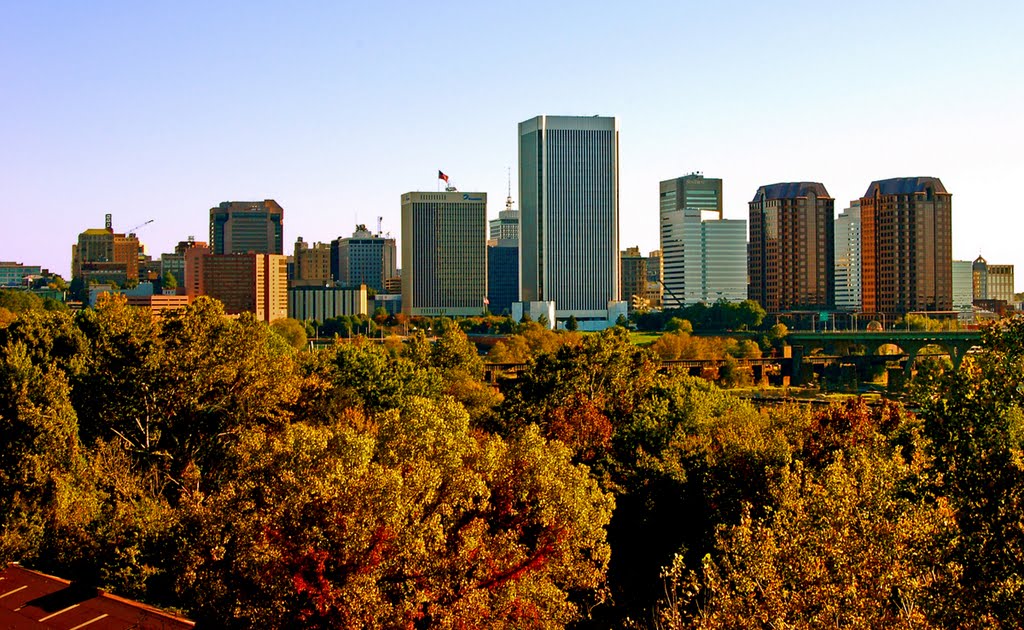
{"x":441,"y":175}
{"x":486,"y":301}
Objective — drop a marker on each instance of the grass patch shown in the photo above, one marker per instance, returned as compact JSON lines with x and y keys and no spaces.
{"x":643,"y":339}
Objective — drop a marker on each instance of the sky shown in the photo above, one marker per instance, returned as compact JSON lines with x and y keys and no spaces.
{"x":160,"y":110}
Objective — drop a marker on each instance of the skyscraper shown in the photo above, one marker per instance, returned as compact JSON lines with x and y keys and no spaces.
{"x":847,"y":251}
{"x":569,"y":216}
{"x":444,"y":253}
{"x":704,"y":254}
{"x":681,"y":204}
{"x":790,"y":258}
{"x":364,"y":258}
{"x":907,"y":246}
{"x":634,"y":278}
{"x":241,"y":227}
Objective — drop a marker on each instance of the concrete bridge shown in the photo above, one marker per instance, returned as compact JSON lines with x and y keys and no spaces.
{"x":955,"y":343}
{"x":834,"y":347}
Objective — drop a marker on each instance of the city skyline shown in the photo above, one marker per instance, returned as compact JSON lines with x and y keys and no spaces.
{"x":114,"y":109}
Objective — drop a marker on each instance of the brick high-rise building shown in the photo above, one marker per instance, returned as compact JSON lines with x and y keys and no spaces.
{"x":248,"y":283}
{"x":790,"y":256}
{"x":241,"y":227}
{"x":104,"y":256}
{"x":634,"y":276}
{"x":906,"y":246}
{"x":312,"y":264}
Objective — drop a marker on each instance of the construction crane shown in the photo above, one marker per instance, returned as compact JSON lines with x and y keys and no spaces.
{"x":141,"y":225}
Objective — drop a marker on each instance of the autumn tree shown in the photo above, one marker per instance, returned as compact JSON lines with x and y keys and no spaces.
{"x":405,"y":521}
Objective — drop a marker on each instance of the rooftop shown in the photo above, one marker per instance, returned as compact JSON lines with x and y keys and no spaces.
{"x":905,"y":186}
{"x":791,"y":190}
{"x":33,"y":600}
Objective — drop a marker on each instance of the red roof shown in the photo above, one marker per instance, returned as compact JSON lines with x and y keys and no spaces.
{"x":33,"y":600}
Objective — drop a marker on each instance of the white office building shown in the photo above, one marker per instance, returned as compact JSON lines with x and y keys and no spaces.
{"x":704,"y":256}
{"x":569,"y":216}
{"x":963,"y":289}
{"x":848,"y":259}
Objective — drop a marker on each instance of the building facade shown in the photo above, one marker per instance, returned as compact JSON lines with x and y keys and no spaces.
{"x":444,"y":253}
{"x":242,"y":227}
{"x":101,"y":256}
{"x":364,"y":258}
{"x":847,"y":252}
{"x":963,"y":289}
{"x":1000,"y":283}
{"x":323,"y":303}
{"x":569,"y":214}
{"x":248,"y":283}
{"x":906,"y":246}
{"x":723,"y":264}
{"x":506,"y":226}
{"x":634,"y":278}
{"x":683,"y":202}
{"x":790,"y":258}
{"x":13,"y":274}
{"x":655,"y":270}
{"x":502,"y":275}
{"x":312,"y":264}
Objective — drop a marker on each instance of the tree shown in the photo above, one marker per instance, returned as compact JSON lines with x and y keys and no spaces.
{"x":413,"y":523}
{"x":974,"y":419}
{"x":678,"y":325}
{"x":622,"y":321}
{"x":291,"y":330}
{"x":571,"y":324}
{"x":168,"y":281}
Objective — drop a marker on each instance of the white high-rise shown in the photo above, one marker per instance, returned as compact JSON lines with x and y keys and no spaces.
{"x":704,"y":256}
{"x":569,"y":215}
{"x":848,"y":259}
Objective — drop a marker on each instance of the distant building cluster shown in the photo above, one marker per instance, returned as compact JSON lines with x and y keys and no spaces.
{"x":886,"y":255}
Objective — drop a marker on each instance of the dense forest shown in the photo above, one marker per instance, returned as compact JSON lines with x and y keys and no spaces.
{"x":206,"y":464}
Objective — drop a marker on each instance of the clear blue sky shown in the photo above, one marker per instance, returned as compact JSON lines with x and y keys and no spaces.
{"x":160,"y":110}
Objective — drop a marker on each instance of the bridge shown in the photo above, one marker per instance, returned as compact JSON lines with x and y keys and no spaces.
{"x":819,"y":349}
{"x":955,"y":343}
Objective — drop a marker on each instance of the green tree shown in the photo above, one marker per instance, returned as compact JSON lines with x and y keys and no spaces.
{"x":291,"y":330}
{"x":168,"y":281}
{"x":975,"y":421}
{"x":571,"y":324}
{"x":678,"y":325}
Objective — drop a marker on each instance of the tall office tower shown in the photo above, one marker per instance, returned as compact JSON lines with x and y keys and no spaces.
{"x":103,"y":256}
{"x":723,"y":268}
{"x":847,"y":250}
{"x":682,"y":203}
{"x":569,"y":214}
{"x":634,"y":277}
{"x":248,"y":283}
{"x":704,"y":255}
{"x":502,"y":275}
{"x":979,"y":272}
{"x":312,"y":265}
{"x":444,"y":253}
{"x":790,"y":258}
{"x":906,"y":246}
{"x":506,"y":226}
{"x":963,"y":288}
{"x":1000,"y":283}
{"x":241,"y":227}
{"x":364,"y":258}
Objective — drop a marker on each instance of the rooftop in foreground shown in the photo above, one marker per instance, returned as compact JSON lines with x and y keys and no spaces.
{"x":32,"y":600}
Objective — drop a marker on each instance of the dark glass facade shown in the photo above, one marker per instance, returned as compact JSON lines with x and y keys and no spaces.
{"x":502,"y":278}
